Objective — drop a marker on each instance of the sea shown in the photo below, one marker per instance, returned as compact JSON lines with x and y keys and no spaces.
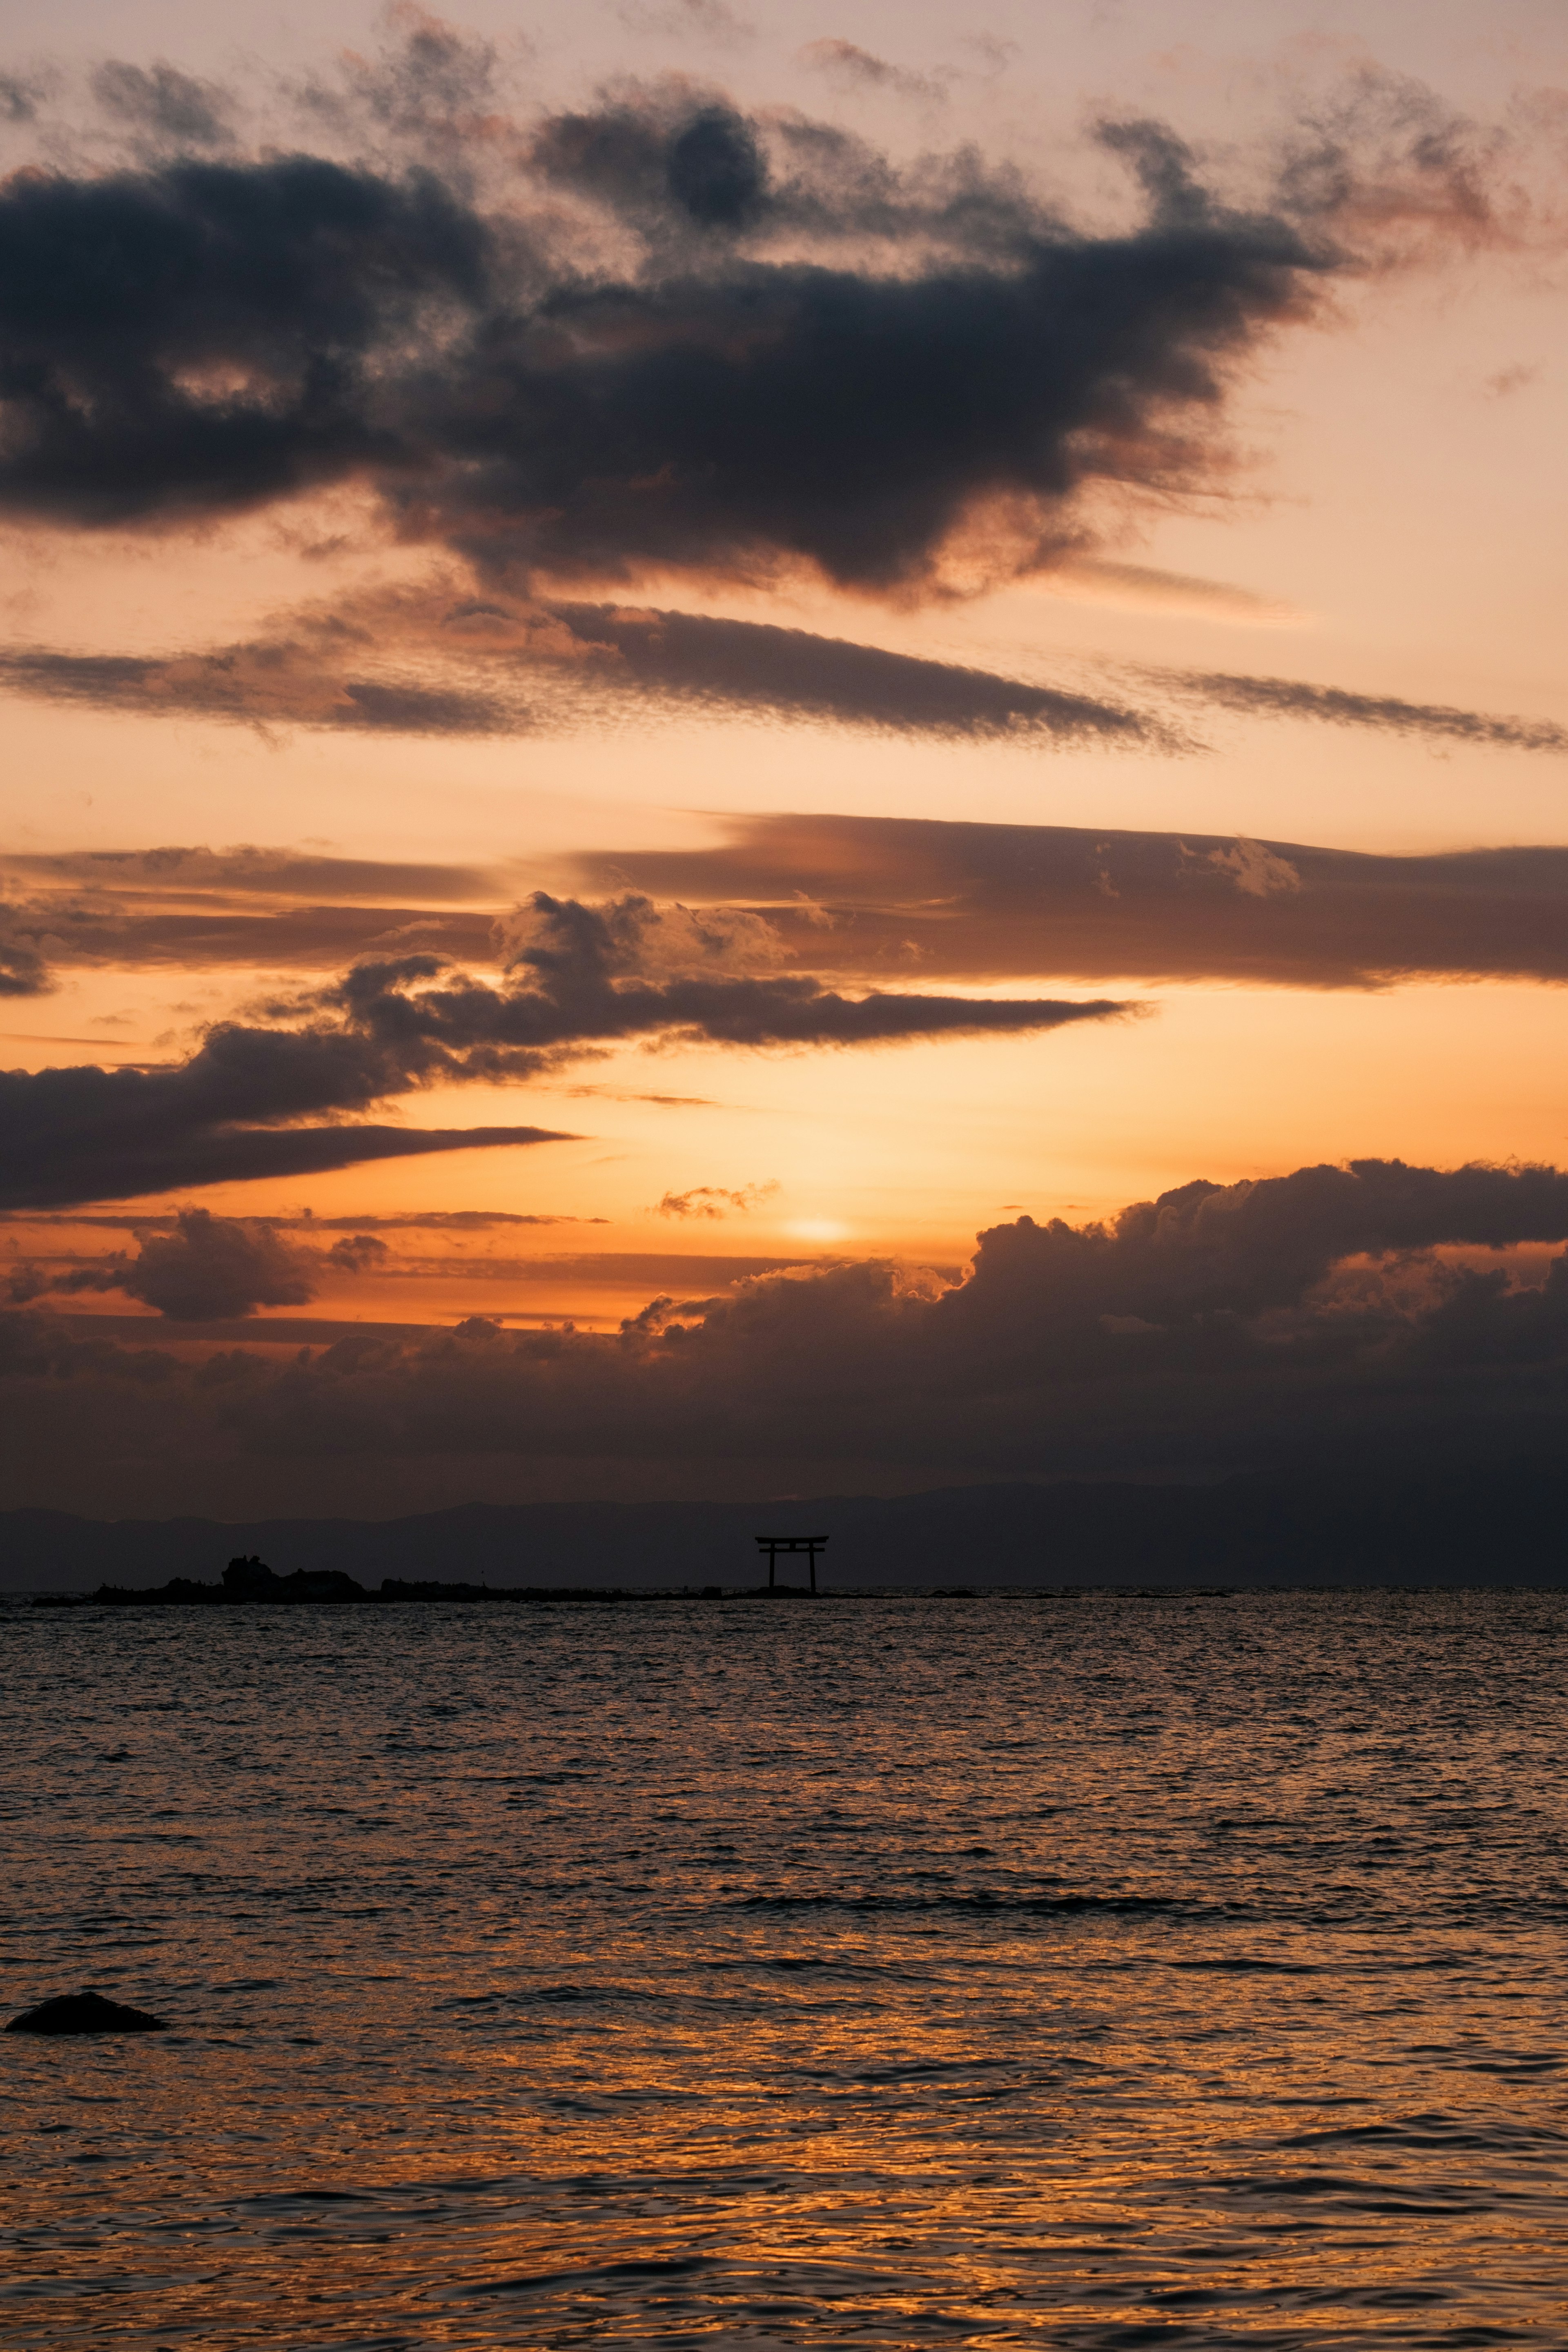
{"x":1082,"y":1969}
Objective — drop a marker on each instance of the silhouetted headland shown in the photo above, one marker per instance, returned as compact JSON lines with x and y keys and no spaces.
{"x":250,"y":1583}
{"x":1458,"y":1523}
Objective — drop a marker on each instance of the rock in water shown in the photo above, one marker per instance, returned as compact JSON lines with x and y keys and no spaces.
{"x":85,"y":2013}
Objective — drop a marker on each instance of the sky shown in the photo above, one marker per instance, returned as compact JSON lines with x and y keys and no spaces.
{"x":754,"y":752}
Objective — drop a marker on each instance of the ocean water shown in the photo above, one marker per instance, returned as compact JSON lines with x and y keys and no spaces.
{"x":1085,"y":1972}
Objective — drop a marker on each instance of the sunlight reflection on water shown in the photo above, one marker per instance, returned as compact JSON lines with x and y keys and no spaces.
{"x":1095,"y":1971}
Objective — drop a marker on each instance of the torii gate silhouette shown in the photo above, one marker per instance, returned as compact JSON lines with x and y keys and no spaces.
{"x":774,"y":1545}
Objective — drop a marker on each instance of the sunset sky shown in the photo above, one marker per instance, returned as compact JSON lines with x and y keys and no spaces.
{"x":661,"y":660}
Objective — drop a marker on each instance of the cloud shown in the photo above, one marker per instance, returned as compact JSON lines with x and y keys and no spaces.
{"x":20,"y":96}
{"x":214,"y":1266}
{"x":856,"y":898}
{"x":84,"y":1141}
{"x":459,"y":1221}
{"x":1285,"y":697}
{"x":195,"y":1267}
{"x":1374,"y":1314}
{"x":713,"y":1201}
{"x":860,"y":899}
{"x":273,"y":683}
{"x":708,"y":20}
{"x":357,"y":1253}
{"x":661,"y":334}
{"x":23,"y":970}
{"x":197,"y":338}
{"x":189,"y":908}
{"x":524,"y":668}
{"x":755,"y":667}
{"x":857,"y":68}
{"x":580,"y":977}
{"x":248,"y":871}
{"x":990,"y":901}
{"x":167,"y":109}
{"x":447,"y":661}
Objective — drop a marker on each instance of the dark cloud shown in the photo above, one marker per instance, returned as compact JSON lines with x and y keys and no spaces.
{"x":1373,"y":1313}
{"x":195,"y":1267}
{"x":357,"y":1253}
{"x":204,"y":337}
{"x":587,"y":977}
{"x":82,"y":1141}
{"x":1286,"y":697}
{"x":581,"y":977}
{"x":755,"y":667}
{"x":23,"y":970}
{"x":459,"y":1221}
{"x":784,"y":414}
{"x":702,"y":161}
{"x":869,"y":895}
{"x":215,"y":1267}
{"x":443,"y":1221}
{"x":708,"y":373}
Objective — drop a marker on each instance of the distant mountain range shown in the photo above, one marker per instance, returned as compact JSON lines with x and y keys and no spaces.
{"x":1503,"y":1524}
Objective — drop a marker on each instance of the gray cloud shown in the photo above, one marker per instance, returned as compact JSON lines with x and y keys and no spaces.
{"x":166,"y":108}
{"x":857,"y":68}
{"x":1321,"y":1316}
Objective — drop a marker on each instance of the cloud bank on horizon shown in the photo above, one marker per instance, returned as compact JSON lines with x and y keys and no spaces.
{"x":1334,"y":1312}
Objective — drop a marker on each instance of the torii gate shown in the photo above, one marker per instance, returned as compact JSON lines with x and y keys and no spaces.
{"x":774,"y":1545}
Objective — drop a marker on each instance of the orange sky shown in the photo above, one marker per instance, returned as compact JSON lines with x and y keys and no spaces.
{"x":1385,"y":517}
